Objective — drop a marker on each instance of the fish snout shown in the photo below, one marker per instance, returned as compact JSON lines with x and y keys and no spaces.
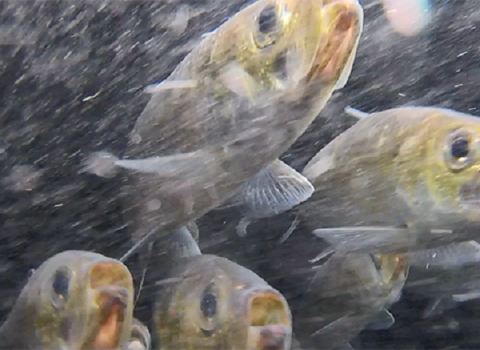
{"x":342,"y":22}
{"x":112,"y":284}
{"x":270,"y":322}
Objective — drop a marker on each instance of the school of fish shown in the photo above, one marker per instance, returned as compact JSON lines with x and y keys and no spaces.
{"x":391,"y":204}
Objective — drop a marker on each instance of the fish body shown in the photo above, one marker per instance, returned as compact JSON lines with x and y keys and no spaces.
{"x":258,"y":81}
{"x":405,"y":178}
{"x":74,"y":300}
{"x":347,"y":294}
{"x":445,"y":287}
{"x":209,"y":302}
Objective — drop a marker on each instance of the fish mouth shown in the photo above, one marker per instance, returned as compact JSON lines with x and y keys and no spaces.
{"x":112,"y":287}
{"x":394,"y":267}
{"x":270,"y":325}
{"x":343,"y":20}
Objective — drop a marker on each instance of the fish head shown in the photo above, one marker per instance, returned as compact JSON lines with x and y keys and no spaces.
{"x":452,"y":167}
{"x":220,"y":304}
{"x":391,"y":268}
{"x":392,"y":271}
{"x":81,"y":300}
{"x":300,"y":49}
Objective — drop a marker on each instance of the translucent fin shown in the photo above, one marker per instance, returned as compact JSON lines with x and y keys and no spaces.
{"x":193,"y":228}
{"x":242,"y":227}
{"x":367,"y":239}
{"x":356,"y":113}
{"x":169,"y":166}
{"x":383,"y":320}
{"x":438,"y":306}
{"x":140,"y":338}
{"x":460,"y":298}
{"x":275,"y":189}
{"x":451,"y":255}
{"x":183,"y":244}
{"x":330,"y":326}
{"x":171,"y":84}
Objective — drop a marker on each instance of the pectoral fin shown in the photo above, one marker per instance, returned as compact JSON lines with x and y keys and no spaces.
{"x":275,"y":189}
{"x":383,"y":320}
{"x":451,"y":255}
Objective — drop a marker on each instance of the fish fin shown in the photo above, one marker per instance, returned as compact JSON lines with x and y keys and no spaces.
{"x":450,"y":255}
{"x":383,"y":320}
{"x":168,"y":166}
{"x":170,"y":85}
{"x":345,"y":346}
{"x":140,"y":338}
{"x":330,"y":326}
{"x":290,"y":230}
{"x":460,"y":298}
{"x":183,"y":244}
{"x":356,"y":113}
{"x":144,"y":260}
{"x":195,"y":232}
{"x":438,"y":306}
{"x":367,"y":238}
{"x":241,"y":228}
{"x":275,"y":189}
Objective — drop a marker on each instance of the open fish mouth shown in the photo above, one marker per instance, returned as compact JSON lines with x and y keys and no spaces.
{"x":112,"y":286}
{"x":343,"y":20}
{"x":394,"y":267}
{"x":270,"y":322}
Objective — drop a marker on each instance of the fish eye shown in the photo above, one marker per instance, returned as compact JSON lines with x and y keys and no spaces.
{"x":208,"y":304}
{"x":60,"y":286}
{"x":208,"y":309}
{"x":459,"y":148}
{"x":460,"y":152}
{"x":267,"y":26}
{"x":267,"y":20}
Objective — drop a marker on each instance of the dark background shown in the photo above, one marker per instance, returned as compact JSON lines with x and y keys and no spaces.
{"x":71,"y":80}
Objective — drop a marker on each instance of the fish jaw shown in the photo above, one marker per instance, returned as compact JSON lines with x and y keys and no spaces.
{"x":270,"y":323}
{"x":111,"y":285}
{"x":342,"y":26}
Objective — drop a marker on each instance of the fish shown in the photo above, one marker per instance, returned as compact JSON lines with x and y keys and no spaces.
{"x":235,"y":104}
{"x":347,"y":294}
{"x":74,"y":300}
{"x":445,"y":284}
{"x":209,"y":302}
{"x":140,"y":338}
{"x":401,"y":180}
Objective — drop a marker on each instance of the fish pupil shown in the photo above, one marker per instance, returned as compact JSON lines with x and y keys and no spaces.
{"x":61,"y":284}
{"x":208,"y":305}
{"x":459,"y":148}
{"x":267,"y":20}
